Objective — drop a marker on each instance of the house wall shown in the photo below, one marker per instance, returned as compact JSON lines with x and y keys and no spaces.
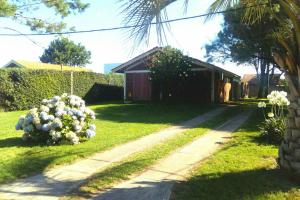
{"x":138,"y":86}
{"x":198,"y":89}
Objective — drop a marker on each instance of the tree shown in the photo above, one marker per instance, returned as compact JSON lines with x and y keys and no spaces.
{"x":287,"y":13}
{"x":246,"y":43}
{"x":169,"y":70}
{"x":66,"y":52}
{"x":17,"y":10}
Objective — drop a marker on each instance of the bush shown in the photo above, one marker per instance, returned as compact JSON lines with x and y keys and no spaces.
{"x":24,"y":89}
{"x":62,"y":119}
{"x":272,"y":130}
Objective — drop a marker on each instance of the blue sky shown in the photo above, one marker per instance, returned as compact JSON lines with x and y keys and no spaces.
{"x":114,"y":47}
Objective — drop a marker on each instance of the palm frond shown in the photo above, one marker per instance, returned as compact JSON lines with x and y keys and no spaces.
{"x":143,"y":14}
{"x":220,"y":5}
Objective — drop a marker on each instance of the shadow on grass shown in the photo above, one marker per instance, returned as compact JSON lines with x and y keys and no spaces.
{"x":30,"y":162}
{"x":154,"y":113}
{"x":236,"y":185}
{"x":18,"y":142}
{"x":264,"y":140}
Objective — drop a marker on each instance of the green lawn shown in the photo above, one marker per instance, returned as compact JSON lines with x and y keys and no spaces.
{"x":138,"y":162}
{"x":244,"y":169}
{"x":116,"y":124}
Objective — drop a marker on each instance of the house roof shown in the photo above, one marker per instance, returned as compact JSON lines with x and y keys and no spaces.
{"x":39,"y":65}
{"x":141,"y":58}
{"x":254,"y":79}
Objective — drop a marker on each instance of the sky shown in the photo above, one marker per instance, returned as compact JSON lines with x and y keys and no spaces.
{"x":190,"y":36}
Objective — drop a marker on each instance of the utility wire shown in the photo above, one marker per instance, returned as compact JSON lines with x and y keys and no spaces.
{"x":124,"y":27}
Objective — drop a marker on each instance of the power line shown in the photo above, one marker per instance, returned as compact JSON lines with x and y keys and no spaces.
{"x":123,"y":27}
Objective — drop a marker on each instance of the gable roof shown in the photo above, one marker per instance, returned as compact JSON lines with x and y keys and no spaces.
{"x":41,"y":66}
{"x":140,"y":58}
{"x":254,"y":79}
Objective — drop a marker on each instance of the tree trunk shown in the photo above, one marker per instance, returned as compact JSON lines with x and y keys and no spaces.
{"x":262,"y":82}
{"x":289,"y":150}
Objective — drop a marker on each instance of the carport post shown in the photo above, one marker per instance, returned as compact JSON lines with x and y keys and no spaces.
{"x":124,"y":86}
{"x":212,"y":90}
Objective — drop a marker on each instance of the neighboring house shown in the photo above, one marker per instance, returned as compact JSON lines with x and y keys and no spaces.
{"x":39,"y":65}
{"x":109,"y":67}
{"x":251,"y":82}
{"x":213,"y":84}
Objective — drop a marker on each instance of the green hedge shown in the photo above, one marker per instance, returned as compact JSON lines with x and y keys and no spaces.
{"x":23,"y":88}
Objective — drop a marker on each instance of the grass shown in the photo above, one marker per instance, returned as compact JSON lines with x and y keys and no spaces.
{"x":125,"y":169}
{"x":116,"y":124}
{"x":244,"y":169}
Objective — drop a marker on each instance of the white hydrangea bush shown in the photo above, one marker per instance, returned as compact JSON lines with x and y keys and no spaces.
{"x":61,"y":119}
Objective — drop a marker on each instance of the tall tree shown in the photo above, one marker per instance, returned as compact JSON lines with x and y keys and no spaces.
{"x":246,"y":43}
{"x":287,"y":13}
{"x":65,"y":52}
{"x":23,"y":12}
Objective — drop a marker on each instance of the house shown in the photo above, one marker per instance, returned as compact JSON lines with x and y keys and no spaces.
{"x":251,"y":82}
{"x":40,"y":65}
{"x":212,"y":83}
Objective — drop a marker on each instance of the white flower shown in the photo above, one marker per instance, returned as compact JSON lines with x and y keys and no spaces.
{"x":77,"y":128}
{"x":39,"y":126}
{"x":36,"y":120}
{"x":92,"y":127}
{"x":44,"y":109}
{"x":55,"y":135}
{"x":46,"y":127}
{"x":270,"y":114}
{"x":283,"y":93}
{"x":72,"y":137}
{"x":262,"y":104}
{"x":51,"y":117}
{"x":45,"y":101}
{"x":60,"y":113}
{"x":90,"y":133}
{"x":56,"y":123}
{"x":56,"y":98}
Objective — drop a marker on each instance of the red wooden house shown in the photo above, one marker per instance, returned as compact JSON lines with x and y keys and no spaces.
{"x":212,"y":83}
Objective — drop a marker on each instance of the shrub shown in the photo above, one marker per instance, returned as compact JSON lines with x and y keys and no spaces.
{"x":23,"y":89}
{"x":273,"y":128}
{"x":62,"y":119}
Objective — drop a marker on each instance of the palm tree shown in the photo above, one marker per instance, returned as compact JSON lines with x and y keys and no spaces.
{"x":146,"y":13}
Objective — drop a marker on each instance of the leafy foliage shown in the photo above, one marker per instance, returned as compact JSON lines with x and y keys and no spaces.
{"x":243,"y":43}
{"x":18,"y":10}
{"x":170,"y":71}
{"x":22,"y":89}
{"x":169,"y":65}
{"x":273,"y":129}
{"x":65,"y":52}
{"x":274,"y":126}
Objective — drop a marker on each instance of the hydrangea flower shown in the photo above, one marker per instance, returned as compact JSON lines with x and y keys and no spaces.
{"x":61,"y":118}
{"x":90,"y":133}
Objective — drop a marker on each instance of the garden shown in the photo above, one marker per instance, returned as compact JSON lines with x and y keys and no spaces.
{"x":21,"y":158}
